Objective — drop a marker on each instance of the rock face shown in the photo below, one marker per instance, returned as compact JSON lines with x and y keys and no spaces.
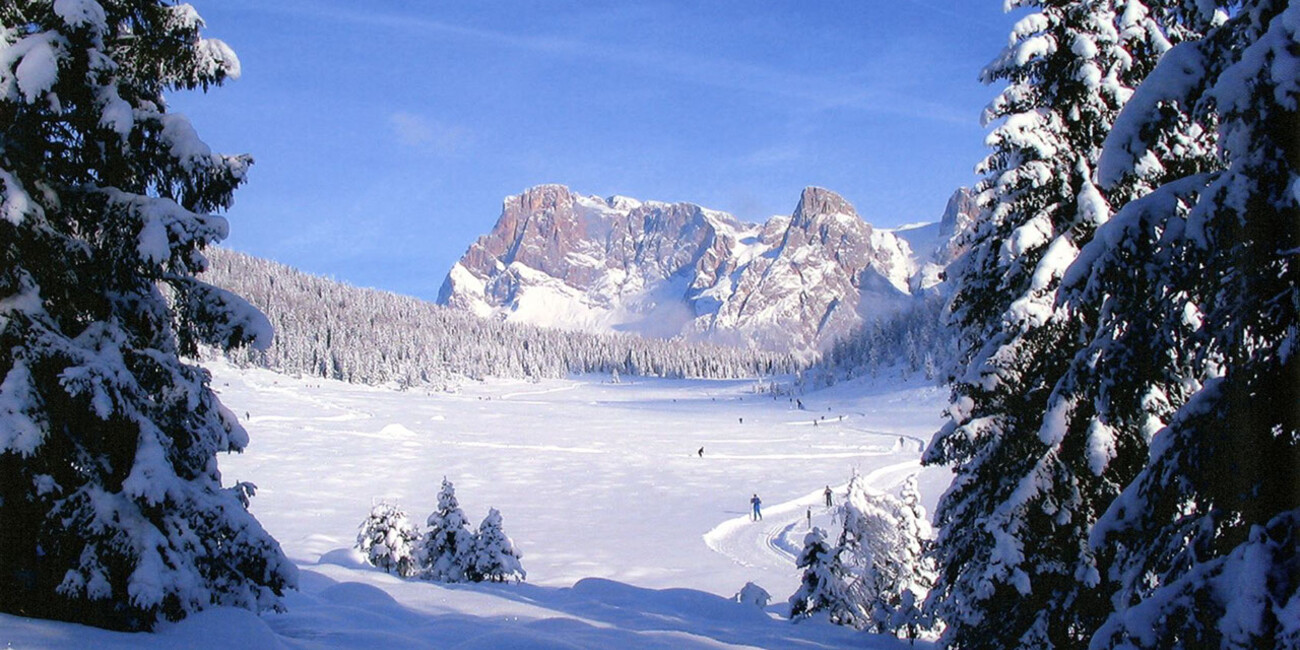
{"x":957,"y":218}
{"x":936,"y":245}
{"x":796,"y":283}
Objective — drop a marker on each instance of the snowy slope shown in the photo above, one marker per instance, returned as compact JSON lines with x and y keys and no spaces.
{"x":628,"y":536}
{"x":935,"y":245}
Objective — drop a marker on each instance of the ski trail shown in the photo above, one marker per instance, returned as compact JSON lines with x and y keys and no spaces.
{"x":847,"y":424}
{"x":290,"y":393}
{"x":761,"y":544}
{"x":557,"y":389}
{"x":774,"y":542}
{"x":875,"y":477}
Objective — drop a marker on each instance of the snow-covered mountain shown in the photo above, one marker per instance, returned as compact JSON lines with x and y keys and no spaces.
{"x":798,"y":282}
{"x":937,"y":244}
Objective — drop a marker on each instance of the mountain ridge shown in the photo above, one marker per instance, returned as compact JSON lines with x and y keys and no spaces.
{"x":793,"y":283}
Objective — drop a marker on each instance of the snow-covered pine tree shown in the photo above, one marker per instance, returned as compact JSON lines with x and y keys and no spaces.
{"x":881,"y":543}
{"x":112,"y":511}
{"x":908,"y":618}
{"x":389,"y":539}
{"x":1183,"y":143}
{"x":1015,"y":565}
{"x":910,"y":495}
{"x":1137,"y":367}
{"x":1205,"y":539}
{"x":917,"y":534}
{"x":494,"y":557}
{"x":824,"y":586}
{"x":445,"y":551}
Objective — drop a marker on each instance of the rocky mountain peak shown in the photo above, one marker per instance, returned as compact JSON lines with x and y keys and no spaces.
{"x":541,"y":198}
{"x":963,"y":207}
{"x":960,"y":212}
{"x":818,"y":201}
{"x":796,"y":283}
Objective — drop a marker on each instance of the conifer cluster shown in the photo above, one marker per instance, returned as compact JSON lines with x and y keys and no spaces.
{"x":449,"y":551}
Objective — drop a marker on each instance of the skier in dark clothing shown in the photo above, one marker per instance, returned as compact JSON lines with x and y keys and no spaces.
{"x":701,"y":452}
{"x":757,"y":503}
{"x":828,"y":496}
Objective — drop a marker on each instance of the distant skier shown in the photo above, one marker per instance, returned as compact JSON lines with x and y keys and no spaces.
{"x":810,"y":519}
{"x":742,"y":420}
{"x":757,"y":515}
{"x":701,"y":452}
{"x":799,"y":403}
{"x":828,"y":496}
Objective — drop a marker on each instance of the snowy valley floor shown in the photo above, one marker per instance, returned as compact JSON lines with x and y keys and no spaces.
{"x":629,"y":537}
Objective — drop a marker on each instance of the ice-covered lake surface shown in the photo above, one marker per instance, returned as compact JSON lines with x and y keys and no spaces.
{"x":628,"y":534}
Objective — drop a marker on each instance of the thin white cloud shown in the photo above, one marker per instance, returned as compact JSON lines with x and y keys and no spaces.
{"x":772,"y":156}
{"x":425,"y":133}
{"x":800,"y":89}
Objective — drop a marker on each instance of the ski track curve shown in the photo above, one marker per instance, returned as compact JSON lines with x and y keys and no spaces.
{"x":774,"y":542}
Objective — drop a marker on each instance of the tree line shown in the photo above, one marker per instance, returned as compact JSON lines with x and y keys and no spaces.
{"x":328,"y":329}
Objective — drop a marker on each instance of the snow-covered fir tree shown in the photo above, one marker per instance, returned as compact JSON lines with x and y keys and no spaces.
{"x":914,"y":340}
{"x":1205,"y":539}
{"x":1183,"y":142}
{"x":908,"y":618}
{"x":494,"y":557}
{"x":876,"y":575}
{"x":112,"y":508}
{"x":825,"y":585}
{"x":917,"y":533}
{"x":445,"y":552}
{"x":1015,"y":566}
{"x":882,"y":543}
{"x":389,"y":540}
{"x":910,"y":495}
{"x":1134,"y":367}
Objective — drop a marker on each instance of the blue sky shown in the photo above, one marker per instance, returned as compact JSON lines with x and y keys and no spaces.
{"x":386,"y":133}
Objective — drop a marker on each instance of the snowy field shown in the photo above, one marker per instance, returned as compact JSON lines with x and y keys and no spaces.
{"x":628,"y":535}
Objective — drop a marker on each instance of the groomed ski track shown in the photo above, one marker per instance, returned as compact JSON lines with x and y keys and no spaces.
{"x":774,"y":542}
